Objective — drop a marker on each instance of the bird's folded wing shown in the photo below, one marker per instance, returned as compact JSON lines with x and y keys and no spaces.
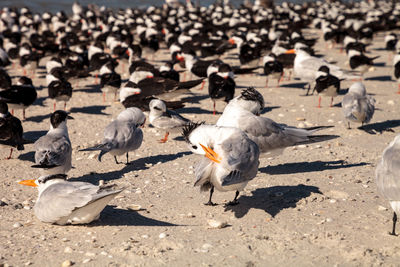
{"x":52,"y":150}
{"x":388,"y":174}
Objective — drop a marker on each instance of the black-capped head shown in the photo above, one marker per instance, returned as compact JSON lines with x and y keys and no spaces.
{"x":324,"y":69}
{"x":58,"y":117}
{"x":3,"y":108}
{"x":189,"y":128}
{"x":251,"y":94}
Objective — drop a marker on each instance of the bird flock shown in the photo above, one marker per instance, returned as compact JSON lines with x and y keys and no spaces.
{"x":268,"y":41}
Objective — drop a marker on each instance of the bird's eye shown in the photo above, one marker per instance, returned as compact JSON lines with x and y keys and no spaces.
{"x":194,"y":147}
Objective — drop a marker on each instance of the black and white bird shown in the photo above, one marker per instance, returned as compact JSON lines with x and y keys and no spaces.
{"x":110,"y":81}
{"x":59,"y":89}
{"x":396,"y":65}
{"x":272,"y":68}
{"x":53,"y":151}
{"x":221,"y":84}
{"x":122,"y":135}
{"x":326,"y":84}
{"x":360,"y":62}
{"x":11,"y":130}
{"x":164,"y":119}
{"x":20,"y":96}
{"x":62,"y":202}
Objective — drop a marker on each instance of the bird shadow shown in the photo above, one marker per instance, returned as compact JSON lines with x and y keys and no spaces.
{"x":34,"y":135}
{"x":303,"y":167}
{"x":39,"y":101}
{"x":384,"y":126}
{"x":380,"y":64}
{"x":272,"y":199}
{"x":113,"y":216}
{"x":95,"y":109}
{"x":89,"y":88}
{"x":194,"y":110}
{"x":195,"y":99}
{"x":294,"y":85}
{"x":29,"y":156}
{"x":384,"y":78}
{"x":38,"y":118}
{"x":135,"y":165}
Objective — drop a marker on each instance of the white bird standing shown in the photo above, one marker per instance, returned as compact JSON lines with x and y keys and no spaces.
{"x":164,"y":119}
{"x":357,"y":106}
{"x":62,"y":202}
{"x":53,"y":151}
{"x":388,"y":177}
{"x":272,"y":138}
{"x":122,"y":135}
{"x":231,"y":158}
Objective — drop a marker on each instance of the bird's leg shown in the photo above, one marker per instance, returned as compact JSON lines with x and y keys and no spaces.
{"x":214,"y":108}
{"x":234,"y":201}
{"x":104,"y":97}
{"x":11,"y":151}
{"x":394,"y":224}
{"x":127,"y":158}
{"x":165,"y":138}
{"x":281,"y":78}
{"x":65,"y":106}
{"x":398,"y":91}
{"x":348,"y":125}
{"x":115,"y":96}
{"x":96,"y":79}
{"x":54,"y":106}
{"x":290,"y":75}
{"x":319,"y":102}
{"x":12,"y":112}
{"x":308,"y":89}
{"x":331,"y":105}
{"x":116,"y":161}
{"x":24,"y":72}
{"x":266,"y":82}
{"x":210,"y":203}
{"x":23,"y":114}
{"x":202,"y":85}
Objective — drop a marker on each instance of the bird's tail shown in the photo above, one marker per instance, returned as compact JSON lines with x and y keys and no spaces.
{"x":104,"y":148}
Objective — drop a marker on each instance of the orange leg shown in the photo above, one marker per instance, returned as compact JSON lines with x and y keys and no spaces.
{"x":202,"y":85}
{"x":9,"y":157}
{"x":12,"y":112}
{"x":65,"y":106}
{"x":319,"y":102}
{"x":399,"y":89}
{"x":165,"y":138}
{"x":54,"y":106}
{"x":104,"y":97}
{"x":96,"y":79}
{"x":331,"y":102}
{"x":266,"y":83}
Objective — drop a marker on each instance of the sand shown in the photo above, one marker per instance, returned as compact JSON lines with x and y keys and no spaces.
{"x":313,"y":205}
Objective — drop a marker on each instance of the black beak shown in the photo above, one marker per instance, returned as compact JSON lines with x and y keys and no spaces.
{"x":70,"y":117}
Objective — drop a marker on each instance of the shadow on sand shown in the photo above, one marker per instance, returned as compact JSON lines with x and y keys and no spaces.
{"x":304,"y":167}
{"x":138,"y":164}
{"x":272,"y":199}
{"x":95,"y":109}
{"x":384,"y":126}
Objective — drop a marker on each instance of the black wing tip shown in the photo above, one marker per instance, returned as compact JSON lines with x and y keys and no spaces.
{"x":189,"y":128}
{"x":40,"y":166}
{"x":319,"y":127}
{"x":251,"y":94}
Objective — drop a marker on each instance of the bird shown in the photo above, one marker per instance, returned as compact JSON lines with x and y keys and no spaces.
{"x":357,"y":106}
{"x":11,"y":130}
{"x":20,"y":96}
{"x":272,"y":138}
{"x":231,"y":158}
{"x":162,"y":118}
{"x":58,"y":87}
{"x":272,"y":68}
{"x":53,"y":151}
{"x":122,"y":135}
{"x":360,"y":62}
{"x":326,"y":84}
{"x":221,"y":84}
{"x":110,"y":81}
{"x":62,"y":202}
{"x":387,"y":176}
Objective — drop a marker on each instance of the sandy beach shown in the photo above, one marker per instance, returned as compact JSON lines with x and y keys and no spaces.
{"x":314,"y":205}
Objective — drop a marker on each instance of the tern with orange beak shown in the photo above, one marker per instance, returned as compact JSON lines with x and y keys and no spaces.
{"x":122,"y":135}
{"x":230,"y":158}
{"x":62,"y":202}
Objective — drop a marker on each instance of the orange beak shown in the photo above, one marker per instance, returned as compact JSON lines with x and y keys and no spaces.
{"x":290,"y":51}
{"x":127,"y":52}
{"x":211,"y":154}
{"x":28,"y":182}
{"x":163,"y":31}
{"x":231,"y":41}
{"x":226,"y":77}
{"x":149,"y":76}
{"x":180,"y":58}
